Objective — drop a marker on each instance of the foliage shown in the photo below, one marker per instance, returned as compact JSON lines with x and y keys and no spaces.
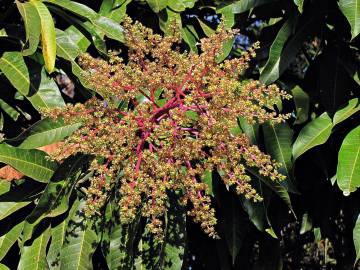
{"x":309,"y":48}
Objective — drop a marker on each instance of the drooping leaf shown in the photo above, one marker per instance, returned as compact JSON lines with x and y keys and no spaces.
{"x":76,"y":8}
{"x":4,"y":267}
{"x":300,"y":5}
{"x":241,"y":6}
{"x":110,"y":28}
{"x":274,"y":186}
{"x":252,"y":131}
{"x":55,"y":199}
{"x":76,"y":37}
{"x":169,"y":254}
{"x":42,"y":93}
{"x":208,"y":31}
{"x":348,"y":168}
{"x":301,"y":100}
{"x":225,"y":50}
{"x":14,"y":114}
{"x":106,"y":25}
{"x":7,"y":208}
{"x":356,"y":238}
{"x":58,"y":234}
{"x":207,"y":179}
{"x":351,"y":10}
{"x":32,"y":163}
{"x":114,"y":9}
{"x":166,"y":18}
{"x":157,"y":5}
{"x":227,"y":16}
{"x":68,"y":50}
{"x":44,"y":132}
{"x":344,"y":113}
{"x":306,"y":223}
{"x":181,"y":5}
{"x":86,"y":28}
{"x":34,"y":256}
{"x":271,"y":70}
{"x":172,"y":255}
{"x":48,"y":36}
{"x":307,"y":24}
{"x":32,"y":25}
{"x":48,"y":94}
{"x":278,"y":139}
{"x":188,"y":36}
{"x":313,"y":134}
{"x":9,"y":238}
{"x":18,"y":197}
{"x":80,"y":242}
{"x":13,"y":66}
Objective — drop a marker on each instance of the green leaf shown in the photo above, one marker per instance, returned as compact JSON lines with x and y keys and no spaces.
{"x":207,"y":179}
{"x":306,"y":223}
{"x":68,"y":50}
{"x":32,"y":163}
{"x":285,"y":49}
{"x":225,"y":50}
{"x":300,"y":5}
{"x":166,"y":18}
{"x":48,"y":36}
{"x":110,"y":28}
{"x":346,"y":112}
{"x":228,"y":17}
{"x":208,"y":31}
{"x":241,"y":6}
{"x":188,"y":36}
{"x":58,"y":234}
{"x":44,"y":132}
{"x":313,"y":134}
{"x":274,"y":186}
{"x":351,"y":10}
{"x":271,"y":70}
{"x":118,"y":239}
{"x":4,"y":267}
{"x":76,"y":37}
{"x":356,"y":238}
{"x":80,"y":242}
{"x":172,"y":255}
{"x":55,"y":199}
{"x":34,"y":256}
{"x":86,"y":28}
{"x":301,"y":100}
{"x":13,"y":66}
{"x":14,"y":114}
{"x":17,"y":198}
{"x":7,"y":208}
{"x":157,"y":5}
{"x":278,"y":140}
{"x":114,"y":9}
{"x":252,"y":131}
{"x":45,"y":94}
{"x":348,"y":168}
{"x":48,"y":94}
{"x":4,"y":186}
{"x":32,"y":25}
{"x":169,"y":254}
{"x":8,"y":239}
{"x":76,"y":8}
{"x":181,"y":5}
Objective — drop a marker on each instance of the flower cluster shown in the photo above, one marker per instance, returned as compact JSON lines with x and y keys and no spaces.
{"x":167,"y":117}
